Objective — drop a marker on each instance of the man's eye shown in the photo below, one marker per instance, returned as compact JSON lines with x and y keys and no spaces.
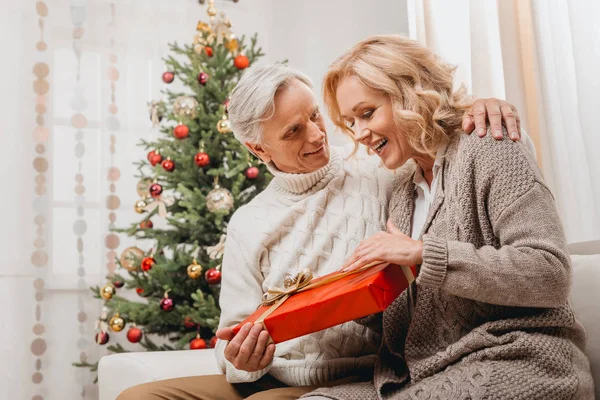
{"x":316,"y":115}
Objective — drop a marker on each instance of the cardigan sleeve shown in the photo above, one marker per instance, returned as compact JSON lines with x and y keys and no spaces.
{"x":241,"y":293}
{"x":530,"y":267}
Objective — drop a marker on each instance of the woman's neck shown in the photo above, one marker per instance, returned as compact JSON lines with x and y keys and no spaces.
{"x":426,"y":163}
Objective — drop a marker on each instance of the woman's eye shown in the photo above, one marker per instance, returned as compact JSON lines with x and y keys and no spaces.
{"x":350,"y":124}
{"x":368,"y":114}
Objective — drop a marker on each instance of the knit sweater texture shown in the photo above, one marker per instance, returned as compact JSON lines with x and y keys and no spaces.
{"x":300,"y":221}
{"x":491,"y":317}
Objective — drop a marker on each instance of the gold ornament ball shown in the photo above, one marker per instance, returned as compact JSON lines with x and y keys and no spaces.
{"x":219,"y":200}
{"x":194,"y":270}
{"x":116,"y":323}
{"x":140,"y":206}
{"x":107,"y":291}
{"x":131,"y":258}
{"x":224,"y":126}
{"x":185,"y":107}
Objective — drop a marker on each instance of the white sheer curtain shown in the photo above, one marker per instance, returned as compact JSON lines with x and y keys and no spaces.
{"x":76,"y":76}
{"x":544,"y":57}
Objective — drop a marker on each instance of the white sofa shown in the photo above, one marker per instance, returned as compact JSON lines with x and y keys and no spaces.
{"x":120,"y":371}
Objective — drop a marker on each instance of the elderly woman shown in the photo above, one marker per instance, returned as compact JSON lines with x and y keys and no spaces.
{"x":305,"y":218}
{"x":489,"y":316}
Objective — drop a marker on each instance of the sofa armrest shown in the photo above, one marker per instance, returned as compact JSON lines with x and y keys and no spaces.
{"x":118,"y":372}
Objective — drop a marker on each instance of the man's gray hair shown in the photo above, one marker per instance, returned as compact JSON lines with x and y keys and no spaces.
{"x":252,"y":100}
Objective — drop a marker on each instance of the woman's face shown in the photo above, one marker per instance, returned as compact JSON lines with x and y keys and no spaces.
{"x":369,"y":115}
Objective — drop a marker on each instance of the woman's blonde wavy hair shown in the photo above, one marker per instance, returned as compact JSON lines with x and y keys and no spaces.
{"x":418,"y":83}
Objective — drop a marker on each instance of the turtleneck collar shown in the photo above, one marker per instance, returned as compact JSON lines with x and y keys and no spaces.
{"x":307,"y":182}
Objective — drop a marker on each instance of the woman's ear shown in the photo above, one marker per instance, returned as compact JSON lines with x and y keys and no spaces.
{"x":259,"y":152}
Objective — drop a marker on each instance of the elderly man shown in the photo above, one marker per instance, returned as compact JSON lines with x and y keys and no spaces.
{"x":320,"y":205}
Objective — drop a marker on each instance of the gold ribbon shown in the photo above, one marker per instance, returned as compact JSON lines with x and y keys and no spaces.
{"x":161,"y":203}
{"x":304,"y":281}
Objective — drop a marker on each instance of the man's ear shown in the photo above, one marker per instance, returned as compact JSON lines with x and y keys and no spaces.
{"x":259,"y":152}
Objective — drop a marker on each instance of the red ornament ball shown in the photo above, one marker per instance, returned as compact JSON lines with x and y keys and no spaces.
{"x":102,"y":338}
{"x":213,"y":276}
{"x":134,"y":334}
{"x":202,"y":159}
{"x":146,"y":224}
{"x":189,"y":323}
{"x":181,"y":131}
{"x":168,"y":77}
{"x":168,"y":165}
{"x":118,"y":284}
{"x":166,"y":304}
{"x":203,"y":78}
{"x":226,"y":104}
{"x":155,"y":189}
{"x":147,"y":263}
{"x":154,"y":157}
{"x":252,"y":173}
{"x":197,"y":344}
{"x":213,"y":342}
{"x":139,"y":291}
{"x":241,"y":62}
{"x":208,"y":50}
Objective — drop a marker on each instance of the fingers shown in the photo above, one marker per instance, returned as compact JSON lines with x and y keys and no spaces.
{"x":259,"y":350}
{"x":233,"y":347}
{"x":468,"y":122}
{"x":247,"y":348}
{"x":510,"y":121}
{"x":267,"y":357}
{"x":391,"y":228}
{"x":479,"y":115}
{"x":495,"y":117}
{"x":224,"y":333}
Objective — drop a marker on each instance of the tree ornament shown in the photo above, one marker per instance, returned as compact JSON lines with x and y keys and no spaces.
{"x":202,"y":159}
{"x":107,"y":291}
{"x":198,"y":48}
{"x":224,"y":126}
{"x":168,"y":165}
{"x":252,"y":173}
{"x":154,"y":157}
{"x":140,"y":206}
{"x":185,"y":107}
{"x":216,"y":251}
{"x":157,"y":110}
{"x":202,"y":27}
{"x":118,"y":284}
{"x":161,"y":203}
{"x":116,"y":323}
{"x":189,"y":323}
{"x":213,"y":276}
{"x":232,"y":44}
{"x":166,"y":303}
{"x":147,"y":263}
{"x":168,"y":77}
{"x":102,"y":338}
{"x":208,"y":50}
{"x":181,"y":131}
{"x":213,"y":342}
{"x":139,"y":291}
{"x":194,"y":270}
{"x":134,"y":334}
{"x":155,"y":190}
{"x":146,"y":224}
{"x":130,"y":258}
{"x":241,"y":62}
{"x":198,"y":343}
{"x":203,"y":78}
{"x":142,"y":186}
{"x":219,"y":200}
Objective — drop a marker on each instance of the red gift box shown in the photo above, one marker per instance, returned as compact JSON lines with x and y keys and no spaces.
{"x":331,"y":300}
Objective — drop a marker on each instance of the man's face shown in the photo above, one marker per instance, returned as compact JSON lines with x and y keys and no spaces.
{"x":294,"y":139}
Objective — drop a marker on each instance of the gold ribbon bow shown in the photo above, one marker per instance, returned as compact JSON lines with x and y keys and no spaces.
{"x":162,"y":203}
{"x":274,"y":294}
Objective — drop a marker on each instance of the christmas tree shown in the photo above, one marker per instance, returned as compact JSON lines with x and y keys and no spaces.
{"x":196,"y":174}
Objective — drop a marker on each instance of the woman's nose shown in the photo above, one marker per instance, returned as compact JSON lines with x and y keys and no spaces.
{"x":363,"y":136}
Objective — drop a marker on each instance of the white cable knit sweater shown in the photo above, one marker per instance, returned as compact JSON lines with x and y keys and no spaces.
{"x":300,"y":221}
